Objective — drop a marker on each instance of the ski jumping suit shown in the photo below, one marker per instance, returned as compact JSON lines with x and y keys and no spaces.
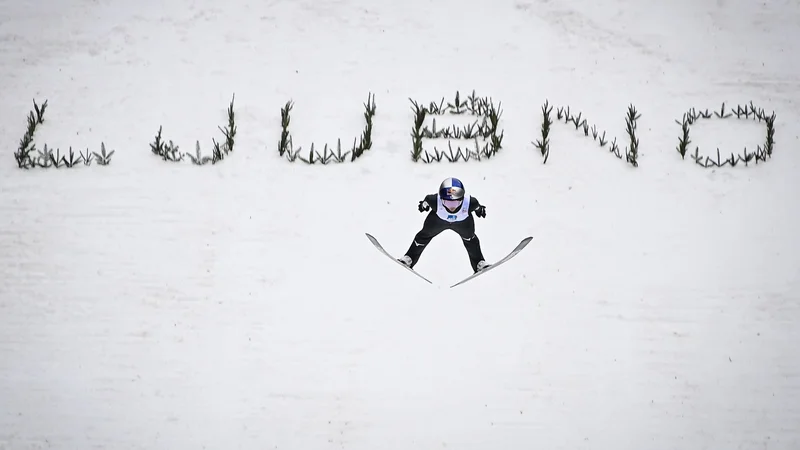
{"x":440,"y":219}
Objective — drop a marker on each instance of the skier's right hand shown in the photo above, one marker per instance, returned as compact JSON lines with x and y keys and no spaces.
{"x":423,"y":206}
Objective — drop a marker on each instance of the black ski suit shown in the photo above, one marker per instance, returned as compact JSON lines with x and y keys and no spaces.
{"x":434,"y":225}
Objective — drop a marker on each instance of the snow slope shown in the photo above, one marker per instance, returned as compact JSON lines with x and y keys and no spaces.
{"x":151,"y":305}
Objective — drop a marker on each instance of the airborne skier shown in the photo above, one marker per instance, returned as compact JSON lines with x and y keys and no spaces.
{"x":450,"y":209}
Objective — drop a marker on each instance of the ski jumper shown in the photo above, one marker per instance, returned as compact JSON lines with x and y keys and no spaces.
{"x":440,"y":219}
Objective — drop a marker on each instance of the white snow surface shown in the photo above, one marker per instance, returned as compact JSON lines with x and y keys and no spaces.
{"x":152,"y":305}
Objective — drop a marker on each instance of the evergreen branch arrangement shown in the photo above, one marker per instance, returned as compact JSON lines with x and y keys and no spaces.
{"x":168,"y":151}
{"x":761,"y":154}
{"x":46,"y":157}
{"x":360,"y":144}
{"x":482,"y":131}
{"x":564,"y":114}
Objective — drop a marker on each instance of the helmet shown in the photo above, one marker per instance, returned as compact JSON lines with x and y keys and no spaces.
{"x":451,"y":189}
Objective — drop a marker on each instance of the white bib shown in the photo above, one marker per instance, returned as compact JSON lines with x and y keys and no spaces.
{"x":457,"y":216}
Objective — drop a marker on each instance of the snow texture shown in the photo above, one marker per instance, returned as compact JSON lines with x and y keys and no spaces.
{"x":156,"y":305}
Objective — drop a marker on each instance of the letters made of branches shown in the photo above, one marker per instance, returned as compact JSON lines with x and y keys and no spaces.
{"x":360,"y":144}
{"x":169,"y":151}
{"x":580,"y":123}
{"x":482,"y":131}
{"x":762,"y":152}
{"x":29,"y":157}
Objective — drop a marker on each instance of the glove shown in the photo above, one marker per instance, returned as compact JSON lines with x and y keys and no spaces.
{"x":481,"y":211}
{"x":424,"y":206}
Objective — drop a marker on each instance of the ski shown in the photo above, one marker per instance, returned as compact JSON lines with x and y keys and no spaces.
{"x":382,"y":250}
{"x":513,"y":253}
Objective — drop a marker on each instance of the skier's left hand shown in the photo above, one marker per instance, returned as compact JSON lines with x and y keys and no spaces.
{"x":480,"y":211}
